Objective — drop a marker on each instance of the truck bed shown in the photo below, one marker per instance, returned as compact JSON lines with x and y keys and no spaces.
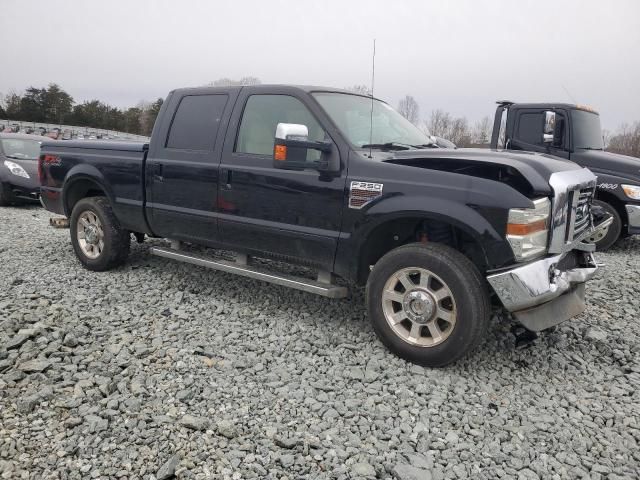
{"x":117,"y":166}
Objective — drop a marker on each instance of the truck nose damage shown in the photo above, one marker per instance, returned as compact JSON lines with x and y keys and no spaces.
{"x":546,"y":292}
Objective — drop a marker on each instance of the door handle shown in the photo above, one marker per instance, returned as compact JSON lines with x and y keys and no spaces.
{"x":229,"y":175}
{"x":157,"y":172}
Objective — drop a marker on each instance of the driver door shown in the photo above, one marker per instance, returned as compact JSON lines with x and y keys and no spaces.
{"x":293,"y":214}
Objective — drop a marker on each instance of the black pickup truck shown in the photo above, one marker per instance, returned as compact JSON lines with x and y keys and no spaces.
{"x":573,"y":132}
{"x":344,"y":185}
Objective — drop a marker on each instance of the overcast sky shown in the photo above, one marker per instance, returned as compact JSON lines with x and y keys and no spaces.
{"x":458,"y":55}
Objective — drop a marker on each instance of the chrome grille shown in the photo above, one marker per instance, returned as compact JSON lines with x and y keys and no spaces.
{"x":582,"y":218}
{"x":571,"y":217}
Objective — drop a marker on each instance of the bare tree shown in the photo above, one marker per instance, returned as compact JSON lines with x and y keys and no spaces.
{"x":626,"y":140}
{"x":361,"y":89}
{"x":409,"y":109}
{"x":482,"y":131}
{"x":228,"y":82}
{"x":439,"y":123}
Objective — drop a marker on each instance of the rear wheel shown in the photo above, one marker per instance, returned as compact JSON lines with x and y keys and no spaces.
{"x":427,"y":303}
{"x":604,"y":239}
{"x":100,"y":243}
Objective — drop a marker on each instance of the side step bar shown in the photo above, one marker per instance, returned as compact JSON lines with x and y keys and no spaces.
{"x":241,"y":268}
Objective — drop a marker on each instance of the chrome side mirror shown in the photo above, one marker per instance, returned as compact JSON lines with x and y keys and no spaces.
{"x":290,"y":147}
{"x":549,"y":127}
{"x":292,"y":131}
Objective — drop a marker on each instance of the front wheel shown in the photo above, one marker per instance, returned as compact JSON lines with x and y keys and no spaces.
{"x":427,"y":303}
{"x":99,"y":241}
{"x":604,"y":239}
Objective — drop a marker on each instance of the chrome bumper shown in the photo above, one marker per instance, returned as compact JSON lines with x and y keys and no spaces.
{"x":633,"y":215}
{"x":540,"y":295}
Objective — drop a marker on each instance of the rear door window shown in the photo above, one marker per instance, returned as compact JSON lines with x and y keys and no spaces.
{"x":196,"y":122}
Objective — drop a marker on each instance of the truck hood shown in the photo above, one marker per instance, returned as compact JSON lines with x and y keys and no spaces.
{"x":527,"y":172}
{"x":599,"y":161}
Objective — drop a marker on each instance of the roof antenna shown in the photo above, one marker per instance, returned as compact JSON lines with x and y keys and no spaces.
{"x":373,"y":78}
{"x":569,"y":95}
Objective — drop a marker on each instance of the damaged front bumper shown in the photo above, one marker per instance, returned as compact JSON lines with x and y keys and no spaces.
{"x":546,"y":292}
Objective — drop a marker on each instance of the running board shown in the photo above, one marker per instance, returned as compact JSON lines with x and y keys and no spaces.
{"x":239,"y":268}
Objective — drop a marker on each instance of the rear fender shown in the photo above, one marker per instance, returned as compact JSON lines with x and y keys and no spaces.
{"x":79,"y":174}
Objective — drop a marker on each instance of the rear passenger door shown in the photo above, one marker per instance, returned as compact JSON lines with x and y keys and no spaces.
{"x":182,"y":165}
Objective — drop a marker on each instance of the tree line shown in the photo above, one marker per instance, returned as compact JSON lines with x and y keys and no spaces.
{"x":54,"y":105}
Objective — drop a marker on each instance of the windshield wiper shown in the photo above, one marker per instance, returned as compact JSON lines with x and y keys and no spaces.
{"x":24,"y":157}
{"x":389,"y":146}
{"x":591,"y":148}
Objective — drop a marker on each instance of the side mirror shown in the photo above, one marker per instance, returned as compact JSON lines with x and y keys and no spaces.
{"x":291,"y":146}
{"x":553,"y":129}
{"x":549,"y":127}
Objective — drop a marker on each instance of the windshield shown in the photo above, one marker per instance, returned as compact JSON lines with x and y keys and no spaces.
{"x":20,"y":149}
{"x":352,"y":115}
{"x":587,"y":133}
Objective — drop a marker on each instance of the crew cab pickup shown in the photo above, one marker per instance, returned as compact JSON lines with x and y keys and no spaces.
{"x":573,"y":132}
{"x":344,"y":185}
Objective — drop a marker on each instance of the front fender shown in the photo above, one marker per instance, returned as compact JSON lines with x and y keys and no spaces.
{"x":471,"y":220}
{"x":612,"y":185}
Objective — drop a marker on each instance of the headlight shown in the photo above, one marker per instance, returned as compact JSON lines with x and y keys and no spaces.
{"x":631,"y":191}
{"x":528,"y":229}
{"x":16,"y":169}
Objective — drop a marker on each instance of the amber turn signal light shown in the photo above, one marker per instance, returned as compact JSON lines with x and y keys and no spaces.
{"x":522,"y":229}
{"x":280,"y":152}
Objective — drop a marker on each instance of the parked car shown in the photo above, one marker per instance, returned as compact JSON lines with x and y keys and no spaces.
{"x":345,"y":185}
{"x":573,"y":132}
{"x":19,"y":168}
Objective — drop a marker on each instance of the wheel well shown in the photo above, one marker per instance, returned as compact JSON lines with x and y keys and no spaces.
{"x":396,"y":233}
{"x":615,"y":202}
{"x":81,"y":189}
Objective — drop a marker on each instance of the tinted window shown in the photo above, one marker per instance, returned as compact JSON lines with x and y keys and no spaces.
{"x":530,"y":128}
{"x":261,"y":116}
{"x":195,"y":124}
{"x":586,"y":130}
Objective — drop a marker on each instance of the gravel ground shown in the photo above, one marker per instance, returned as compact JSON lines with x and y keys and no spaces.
{"x":160,"y":369}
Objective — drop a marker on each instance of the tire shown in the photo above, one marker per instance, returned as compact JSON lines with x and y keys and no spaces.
{"x":464,"y":300}
{"x":606,"y":241}
{"x":5,"y":195}
{"x":100,"y":243}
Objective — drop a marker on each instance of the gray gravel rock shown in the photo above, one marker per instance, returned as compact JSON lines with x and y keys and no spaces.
{"x":168,"y":469}
{"x":34,"y":366}
{"x":408,"y":472}
{"x":194,"y":423}
{"x":159,"y":366}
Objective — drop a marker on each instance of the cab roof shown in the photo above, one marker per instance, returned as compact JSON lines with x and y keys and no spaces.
{"x":549,"y":105}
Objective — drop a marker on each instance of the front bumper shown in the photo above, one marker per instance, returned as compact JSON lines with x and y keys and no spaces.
{"x":24,"y":192}
{"x":542,"y":294}
{"x":633,"y":217}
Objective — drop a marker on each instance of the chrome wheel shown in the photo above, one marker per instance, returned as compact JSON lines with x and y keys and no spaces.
{"x":90,"y":234}
{"x":419,"y":307}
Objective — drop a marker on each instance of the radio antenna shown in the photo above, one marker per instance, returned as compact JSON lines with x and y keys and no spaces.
{"x":568,"y":94}
{"x":373,"y":79}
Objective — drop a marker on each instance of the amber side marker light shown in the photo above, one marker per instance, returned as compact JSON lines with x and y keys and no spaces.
{"x":280,"y":152}
{"x":522,"y":229}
